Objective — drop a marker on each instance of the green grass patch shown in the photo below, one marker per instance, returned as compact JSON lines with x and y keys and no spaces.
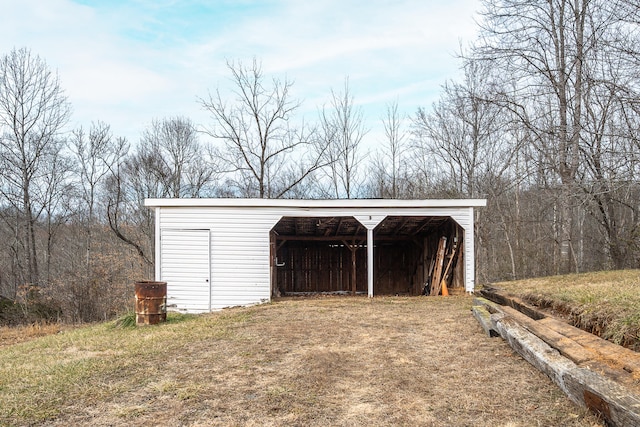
{"x":128,"y":320}
{"x":606,"y":303}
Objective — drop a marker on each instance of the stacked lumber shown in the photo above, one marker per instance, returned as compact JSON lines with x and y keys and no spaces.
{"x":446,"y":257}
{"x":436,"y":283}
{"x":440,"y":267}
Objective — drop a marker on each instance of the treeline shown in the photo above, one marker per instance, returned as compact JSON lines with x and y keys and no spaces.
{"x":544,"y":124}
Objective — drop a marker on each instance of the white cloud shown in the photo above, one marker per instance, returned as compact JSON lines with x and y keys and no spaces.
{"x":126,"y":63}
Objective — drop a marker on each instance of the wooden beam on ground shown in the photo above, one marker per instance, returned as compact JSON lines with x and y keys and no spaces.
{"x":584,"y":373}
{"x":614,"y":402}
{"x":515,"y":302}
{"x":614,"y":354}
{"x":483,"y":317}
{"x":566,"y":346}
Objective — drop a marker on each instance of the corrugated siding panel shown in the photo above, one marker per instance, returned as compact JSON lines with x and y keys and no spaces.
{"x":464,"y":217}
{"x":185,"y":268}
{"x":240,"y":267}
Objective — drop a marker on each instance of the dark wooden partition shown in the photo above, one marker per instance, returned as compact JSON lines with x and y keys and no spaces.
{"x":320,"y":267}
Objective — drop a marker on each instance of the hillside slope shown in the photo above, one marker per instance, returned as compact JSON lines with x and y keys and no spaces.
{"x":606,"y":303}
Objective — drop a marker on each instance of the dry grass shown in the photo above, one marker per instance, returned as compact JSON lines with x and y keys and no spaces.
{"x":606,"y":303}
{"x":313,"y":362}
{"x":10,"y":335}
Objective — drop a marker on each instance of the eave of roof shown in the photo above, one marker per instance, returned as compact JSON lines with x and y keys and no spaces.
{"x":315,"y":203}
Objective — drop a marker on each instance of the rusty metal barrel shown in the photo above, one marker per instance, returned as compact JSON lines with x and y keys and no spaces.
{"x":151,"y":302}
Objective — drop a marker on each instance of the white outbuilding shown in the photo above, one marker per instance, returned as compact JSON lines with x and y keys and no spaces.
{"x":216,"y":253}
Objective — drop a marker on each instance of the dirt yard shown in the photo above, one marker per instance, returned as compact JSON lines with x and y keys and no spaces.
{"x":349,"y":361}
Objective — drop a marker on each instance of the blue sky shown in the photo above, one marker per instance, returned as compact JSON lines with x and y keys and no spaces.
{"x":129,"y":62}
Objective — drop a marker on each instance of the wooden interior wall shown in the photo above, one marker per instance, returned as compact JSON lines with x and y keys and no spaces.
{"x":325,"y":267}
{"x":319,"y":267}
{"x":395,"y":263}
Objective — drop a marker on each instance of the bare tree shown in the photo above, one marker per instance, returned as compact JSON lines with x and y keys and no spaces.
{"x":256,"y":131}
{"x":562,"y":63}
{"x":342,"y":132}
{"x":95,"y":153}
{"x":610,"y":160}
{"x":461,"y":135}
{"x":33,"y":110}
{"x":466,"y":141}
{"x":168,"y":162}
{"x":54,"y":194}
{"x":389,"y":176}
{"x":132,"y":179}
{"x":180,"y":161}
{"x":543,"y":46}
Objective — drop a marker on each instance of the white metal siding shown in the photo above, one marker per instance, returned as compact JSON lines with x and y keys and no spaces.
{"x":240,"y":267}
{"x":184,"y":265}
{"x":469,"y":253}
{"x":240,"y":272}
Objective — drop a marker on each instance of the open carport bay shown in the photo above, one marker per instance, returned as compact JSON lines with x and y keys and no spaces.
{"x":329,"y":254}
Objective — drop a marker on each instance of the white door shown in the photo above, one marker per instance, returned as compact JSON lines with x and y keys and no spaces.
{"x":185,"y":266}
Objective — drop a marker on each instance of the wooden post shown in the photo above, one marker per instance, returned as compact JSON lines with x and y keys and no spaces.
{"x":458,"y":270}
{"x":345,"y":271}
{"x":425,"y":263}
{"x":354,"y":284}
{"x":418,"y":276}
{"x":353,"y":247}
